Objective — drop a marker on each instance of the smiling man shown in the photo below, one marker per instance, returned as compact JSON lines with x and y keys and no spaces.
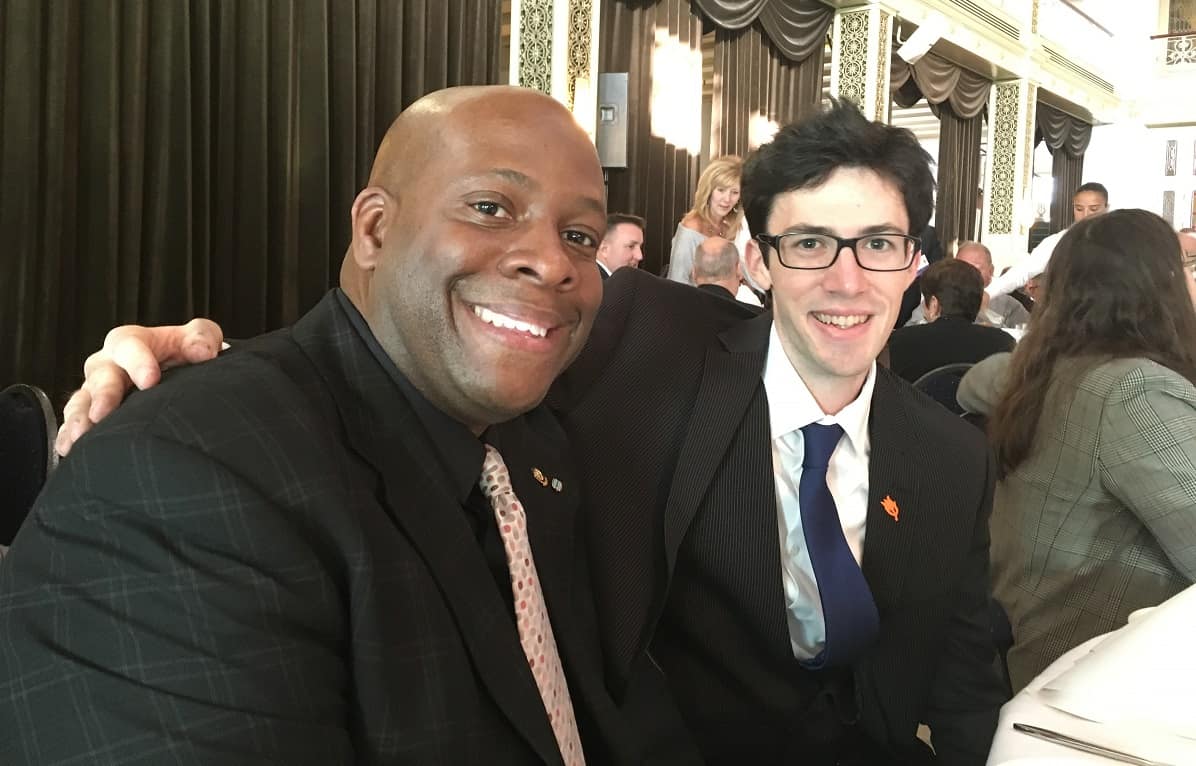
{"x":813,"y":578}
{"x":322,"y":549}
{"x":793,"y":534}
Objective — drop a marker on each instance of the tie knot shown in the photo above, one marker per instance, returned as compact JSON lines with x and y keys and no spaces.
{"x":495,"y":478}
{"x":819,"y":441}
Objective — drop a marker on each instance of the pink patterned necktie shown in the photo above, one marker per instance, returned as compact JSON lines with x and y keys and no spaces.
{"x":531,"y":613}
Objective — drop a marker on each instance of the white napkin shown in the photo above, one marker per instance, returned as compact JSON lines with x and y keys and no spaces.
{"x":1143,"y":675}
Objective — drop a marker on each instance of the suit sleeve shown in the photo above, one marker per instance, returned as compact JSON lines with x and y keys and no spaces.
{"x":157,"y":608}
{"x":1148,"y":461}
{"x":967,"y":693}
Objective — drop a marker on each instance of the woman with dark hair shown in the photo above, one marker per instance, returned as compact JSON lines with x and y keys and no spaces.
{"x":1095,"y":439}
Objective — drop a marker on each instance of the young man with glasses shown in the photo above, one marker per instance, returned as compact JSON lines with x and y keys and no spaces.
{"x":811,"y":569}
{"x":793,"y":534}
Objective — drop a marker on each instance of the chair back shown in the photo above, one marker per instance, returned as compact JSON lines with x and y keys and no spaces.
{"x":941,"y":383}
{"x":27,"y":430}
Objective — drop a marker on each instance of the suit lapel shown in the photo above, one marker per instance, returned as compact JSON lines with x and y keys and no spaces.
{"x":385,"y":432}
{"x":892,"y":485}
{"x":730,"y":375}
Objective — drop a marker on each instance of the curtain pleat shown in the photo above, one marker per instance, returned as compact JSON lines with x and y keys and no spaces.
{"x":1068,"y":173}
{"x":1067,"y":139}
{"x":161,"y":159}
{"x":958,"y":175}
{"x":659,"y":179}
{"x":752,"y":79}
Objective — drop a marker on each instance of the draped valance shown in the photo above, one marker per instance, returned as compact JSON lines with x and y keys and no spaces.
{"x":796,"y":27}
{"x":1061,"y":131}
{"x":939,"y":81}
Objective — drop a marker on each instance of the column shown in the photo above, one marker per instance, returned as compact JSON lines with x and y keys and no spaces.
{"x":860,"y":49}
{"x":1007,"y":203}
{"x":554,"y":49}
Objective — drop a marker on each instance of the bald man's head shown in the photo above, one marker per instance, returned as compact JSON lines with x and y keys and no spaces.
{"x":978,"y":256}
{"x":473,"y":248}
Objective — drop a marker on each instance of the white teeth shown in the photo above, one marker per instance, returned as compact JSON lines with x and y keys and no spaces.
{"x":509,"y":323}
{"x":841,"y":321}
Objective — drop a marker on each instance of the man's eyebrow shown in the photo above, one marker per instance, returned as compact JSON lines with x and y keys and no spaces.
{"x":809,"y":228}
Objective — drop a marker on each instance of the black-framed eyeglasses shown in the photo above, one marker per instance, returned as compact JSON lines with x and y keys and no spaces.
{"x":873,"y":252}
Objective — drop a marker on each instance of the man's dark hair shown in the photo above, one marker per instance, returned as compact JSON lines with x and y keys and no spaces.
{"x":957,"y":285}
{"x":1093,"y":186}
{"x":805,"y":153}
{"x":614,"y":219}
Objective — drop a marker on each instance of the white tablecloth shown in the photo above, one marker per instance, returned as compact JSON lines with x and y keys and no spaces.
{"x":1013,"y":748}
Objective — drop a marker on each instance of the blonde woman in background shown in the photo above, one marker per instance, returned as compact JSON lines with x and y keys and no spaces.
{"x":716,"y":213}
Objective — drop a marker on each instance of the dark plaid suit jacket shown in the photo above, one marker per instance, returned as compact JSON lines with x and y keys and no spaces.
{"x":687,"y":462}
{"x":250,"y":565}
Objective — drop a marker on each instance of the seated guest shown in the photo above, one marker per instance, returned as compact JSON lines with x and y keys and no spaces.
{"x":337,"y":545}
{"x":622,"y":244}
{"x":1002,"y":310}
{"x":716,"y":270}
{"x":951,"y":297}
{"x":716,"y":267}
{"x":1095,"y":438}
{"x":716,"y":212}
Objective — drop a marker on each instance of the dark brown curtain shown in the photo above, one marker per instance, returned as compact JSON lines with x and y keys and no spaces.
{"x":752,"y":77}
{"x":959,"y":98}
{"x":958,"y":175}
{"x":161,"y":159}
{"x":1067,"y":139}
{"x":659,"y":180}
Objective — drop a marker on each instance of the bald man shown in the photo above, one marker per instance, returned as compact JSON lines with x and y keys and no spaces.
{"x":716,"y":267}
{"x":356,"y":540}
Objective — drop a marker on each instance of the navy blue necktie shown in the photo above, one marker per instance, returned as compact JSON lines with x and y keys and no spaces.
{"x":847,"y":606}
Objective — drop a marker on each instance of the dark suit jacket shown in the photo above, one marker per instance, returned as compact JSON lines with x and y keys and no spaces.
{"x":718,"y":290}
{"x":686,"y":554}
{"x":915,"y":351}
{"x":252,"y":564}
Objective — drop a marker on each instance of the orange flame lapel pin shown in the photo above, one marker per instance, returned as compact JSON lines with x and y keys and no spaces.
{"x":890,"y":506}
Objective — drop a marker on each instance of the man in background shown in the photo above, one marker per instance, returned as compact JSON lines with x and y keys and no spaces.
{"x":951,"y":292}
{"x":622,"y":244}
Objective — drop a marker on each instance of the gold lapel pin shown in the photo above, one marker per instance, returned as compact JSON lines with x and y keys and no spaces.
{"x":539,"y":476}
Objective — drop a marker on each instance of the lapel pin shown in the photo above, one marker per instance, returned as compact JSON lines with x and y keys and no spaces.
{"x":556,"y":484}
{"x":539,"y":476}
{"x":890,"y":506}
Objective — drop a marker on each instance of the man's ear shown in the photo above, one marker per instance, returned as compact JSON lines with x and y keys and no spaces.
{"x":756,"y":266}
{"x":372,"y":213}
{"x":933,"y":309}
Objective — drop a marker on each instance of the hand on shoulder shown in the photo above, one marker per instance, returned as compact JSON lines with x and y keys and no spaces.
{"x":132,"y":355}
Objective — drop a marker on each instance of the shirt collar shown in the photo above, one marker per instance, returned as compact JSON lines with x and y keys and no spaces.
{"x":458,"y":451}
{"x":791,"y":405}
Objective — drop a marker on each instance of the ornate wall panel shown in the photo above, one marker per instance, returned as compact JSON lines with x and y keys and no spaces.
{"x":535,"y":44}
{"x":580,"y":40}
{"x":1006,"y":133}
{"x":851,"y":57}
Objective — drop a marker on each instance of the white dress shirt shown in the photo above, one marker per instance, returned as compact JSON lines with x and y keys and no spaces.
{"x":790,"y":407}
{"x":1024,"y":270}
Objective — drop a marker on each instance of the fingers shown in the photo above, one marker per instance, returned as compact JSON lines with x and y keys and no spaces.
{"x":131,"y":350}
{"x":201,"y":341}
{"x":75,"y":421}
